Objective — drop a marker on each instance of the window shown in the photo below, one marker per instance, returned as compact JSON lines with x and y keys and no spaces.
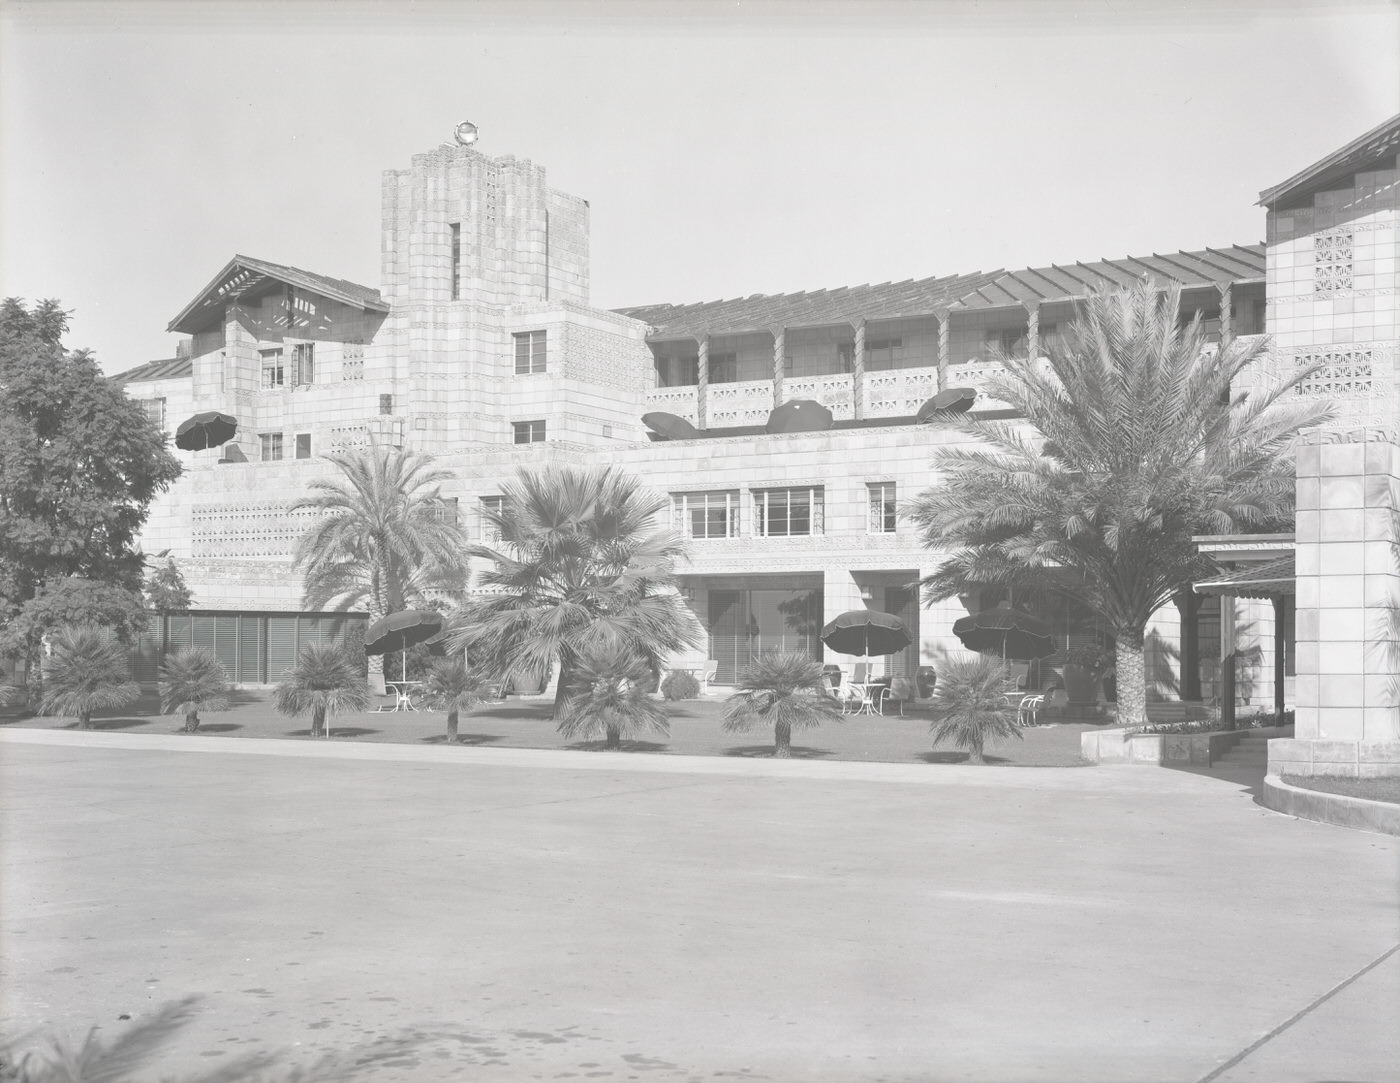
{"x":677,"y":371}
{"x":706,"y":515}
{"x":528,"y":432}
{"x":446,"y":510}
{"x":352,"y":365}
{"x":303,"y":445}
{"x":882,"y":353}
{"x":845,"y":356}
{"x":155,"y":412}
{"x":456,"y":261}
{"x":883,"y":518}
{"x":271,"y":446}
{"x":303,"y":363}
{"x":724,"y":368}
{"x":781,"y":513}
{"x":529,"y":352}
{"x":271,"y":368}
{"x":1332,"y":261}
{"x":491,"y":505}
{"x":1009,"y":340}
{"x":386,"y":404}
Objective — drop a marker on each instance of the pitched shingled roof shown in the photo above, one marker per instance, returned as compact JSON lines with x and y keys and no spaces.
{"x":171,"y":368}
{"x":246,"y":276}
{"x":1379,"y":145}
{"x":930,"y":296}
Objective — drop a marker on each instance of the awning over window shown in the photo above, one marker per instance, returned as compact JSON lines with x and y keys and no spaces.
{"x":1257,"y":581}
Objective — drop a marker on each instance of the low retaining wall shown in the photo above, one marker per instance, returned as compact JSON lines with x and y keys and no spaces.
{"x":1330,"y":808}
{"x":1341,"y":759}
{"x":1119,"y":746}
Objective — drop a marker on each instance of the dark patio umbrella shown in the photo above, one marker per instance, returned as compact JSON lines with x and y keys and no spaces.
{"x":399,"y":631}
{"x":209,"y":429}
{"x":1006,"y":631}
{"x":799,"y":415}
{"x":955,"y":400}
{"x":866,"y":632}
{"x":669,"y":426}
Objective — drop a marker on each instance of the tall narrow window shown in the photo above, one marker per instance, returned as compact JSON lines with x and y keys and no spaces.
{"x":303,"y":445}
{"x":883,"y":518}
{"x":456,"y":261}
{"x":386,"y":404}
{"x":155,"y":412}
{"x":528,"y":432}
{"x":304,"y":363}
{"x":529,"y":352}
{"x":272,"y":371}
{"x":352,"y":366}
{"x":491,"y":505}
{"x":789,"y":512}
{"x":1332,"y":253}
{"x":271,"y":446}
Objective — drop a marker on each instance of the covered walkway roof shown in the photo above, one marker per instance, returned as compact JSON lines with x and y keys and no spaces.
{"x":1255,"y":581}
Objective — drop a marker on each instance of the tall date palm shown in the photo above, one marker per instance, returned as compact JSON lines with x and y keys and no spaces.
{"x":1137,"y":444}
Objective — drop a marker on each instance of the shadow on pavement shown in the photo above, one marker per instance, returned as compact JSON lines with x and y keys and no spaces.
{"x":799,"y":752}
{"x":626,"y":746}
{"x":462,"y":739}
{"x":956,"y":757}
{"x":336,"y":731}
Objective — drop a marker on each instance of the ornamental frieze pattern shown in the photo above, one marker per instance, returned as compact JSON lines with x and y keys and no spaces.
{"x":254,"y":529}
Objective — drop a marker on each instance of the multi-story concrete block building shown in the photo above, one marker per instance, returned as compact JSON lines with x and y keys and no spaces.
{"x":482,"y":349}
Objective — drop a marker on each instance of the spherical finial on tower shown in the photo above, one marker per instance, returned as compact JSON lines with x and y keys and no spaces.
{"x":465,"y":133}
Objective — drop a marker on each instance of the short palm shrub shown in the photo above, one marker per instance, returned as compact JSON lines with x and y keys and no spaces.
{"x":86,"y":672}
{"x":192,"y":681}
{"x":610,"y":700}
{"x":680,"y":685}
{"x":782,"y":690}
{"x":970,"y":706}
{"x":324,"y":682}
{"x":450,"y":686}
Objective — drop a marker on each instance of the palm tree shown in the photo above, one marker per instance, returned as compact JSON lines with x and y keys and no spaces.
{"x":582,"y":566}
{"x":970,"y":706}
{"x":452,"y":687}
{"x":192,"y":681}
{"x":385,"y":537}
{"x":610,"y":698}
{"x":782,"y":690}
{"x":85,"y":672}
{"x":1141,"y":446}
{"x":324,"y":681}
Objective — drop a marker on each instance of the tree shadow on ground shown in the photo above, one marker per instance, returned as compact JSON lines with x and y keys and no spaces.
{"x":111,"y":723}
{"x":462,"y":739}
{"x":799,"y":752}
{"x":626,"y":746}
{"x":955,"y":757}
{"x":216,"y":727}
{"x":336,"y":731}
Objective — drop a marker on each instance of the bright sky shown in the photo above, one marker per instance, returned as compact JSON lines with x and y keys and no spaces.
{"x":726,"y":148}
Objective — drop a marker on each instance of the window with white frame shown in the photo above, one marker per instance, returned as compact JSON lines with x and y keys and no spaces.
{"x":271,"y":443}
{"x":303,"y":363}
{"x":528,"y":432}
{"x":490,"y":532}
{"x":155,"y":412}
{"x":529,"y":352}
{"x":706,"y":515}
{"x":782,"y":513}
{"x":883,"y":518}
{"x":273,"y":374}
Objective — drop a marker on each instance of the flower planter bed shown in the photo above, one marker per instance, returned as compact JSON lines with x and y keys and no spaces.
{"x":1120,"y":746}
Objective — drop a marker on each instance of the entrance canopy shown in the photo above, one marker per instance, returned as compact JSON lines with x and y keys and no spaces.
{"x":1257,"y":581}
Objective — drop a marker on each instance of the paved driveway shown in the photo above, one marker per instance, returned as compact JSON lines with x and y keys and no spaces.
{"x":555,"y":915}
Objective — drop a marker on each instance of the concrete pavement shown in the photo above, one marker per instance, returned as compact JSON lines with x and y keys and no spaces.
{"x":542,"y":915}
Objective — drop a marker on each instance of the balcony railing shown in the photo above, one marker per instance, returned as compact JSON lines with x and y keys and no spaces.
{"x":673,"y":400}
{"x":836,"y":392}
{"x":747,"y":403}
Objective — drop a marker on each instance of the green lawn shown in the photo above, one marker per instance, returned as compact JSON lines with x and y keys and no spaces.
{"x":1373,"y":789}
{"x":695,"y":731}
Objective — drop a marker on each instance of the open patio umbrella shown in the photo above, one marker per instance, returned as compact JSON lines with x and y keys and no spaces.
{"x":955,"y":400}
{"x":799,"y":415}
{"x":866,"y":632}
{"x":399,"y":631}
{"x":1010,"y":632}
{"x":669,"y":426}
{"x":206,"y":430}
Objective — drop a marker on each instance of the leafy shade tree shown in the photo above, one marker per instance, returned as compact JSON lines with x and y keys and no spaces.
{"x":611,"y":699}
{"x":80,"y":464}
{"x":452,"y":687}
{"x":970,"y":708}
{"x":581,"y":568}
{"x":192,"y":681}
{"x":323,"y":682}
{"x":784,"y":691}
{"x":166,"y":590}
{"x":1135,"y":444}
{"x":85,"y":672}
{"x":72,"y":601}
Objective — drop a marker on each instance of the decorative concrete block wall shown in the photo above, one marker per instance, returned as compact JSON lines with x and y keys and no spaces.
{"x":1348,"y":642}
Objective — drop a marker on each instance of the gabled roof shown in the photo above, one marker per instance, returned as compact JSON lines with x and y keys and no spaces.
{"x":172,"y":368}
{"x":1377,"y":146}
{"x":931,"y":296}
{"x":245,"y":276}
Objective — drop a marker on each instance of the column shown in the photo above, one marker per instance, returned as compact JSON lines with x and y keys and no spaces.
{"x":1032,"y":330}
{"x":858,"y":373}
{"x":943,"y":350}
{"x":1188,"y":605}
{"x":1226,"y":315}
{"x":702,"y":382}
{"x":1280,"y":606}
{"x":1227,"y":661}
{"x":779,"y":349}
